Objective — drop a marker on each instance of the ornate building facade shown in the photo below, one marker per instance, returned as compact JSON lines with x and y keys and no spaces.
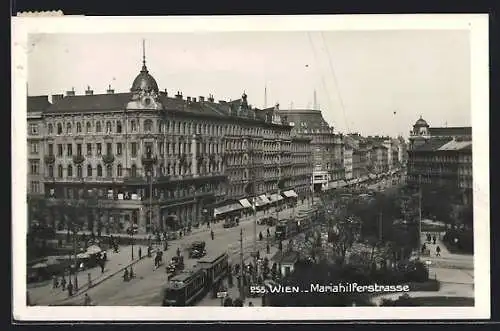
{"x":160,"y":161}
{"x":441,"y":157}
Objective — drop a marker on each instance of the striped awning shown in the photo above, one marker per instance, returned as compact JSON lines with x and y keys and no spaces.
{"x":245,"y":203}
{"x":261,"y":200}
{"x":227,"y":208}
{"x":290,"y":194}
{"x":275,"y":197}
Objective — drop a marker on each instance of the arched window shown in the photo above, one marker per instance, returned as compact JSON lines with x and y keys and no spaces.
{"x":79,"y":171}
{"x":59,"y":128}
{"x":119,"y":170}
{"x":98,"y":127}
{"x":118,"y":127}
{"x":51,"y":128}
{"x":78,"y":127}
{"x":89,"y":170}
{"x":70,"y":171}
{"x":148,"y":125}
{"x":109,"y":171}
{"x":60,"y":171}
{"x":51,"y":171}
{"x":89,"y":127}
{"x":133,"y":170}
{"x":69,"y":129}
{"x":99,"y":170}
{"x":108,"y":127}
{"x":133,"y":125}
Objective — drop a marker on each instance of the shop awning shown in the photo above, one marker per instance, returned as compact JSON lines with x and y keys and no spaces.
{"x":275,"y":197}
{"x":227,"y":208}
{"x":261,"y":200}
{"x":245,"y":203}
{"x":290,"y":194}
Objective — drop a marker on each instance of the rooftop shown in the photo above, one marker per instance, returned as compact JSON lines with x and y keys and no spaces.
{"x":38,"y":103}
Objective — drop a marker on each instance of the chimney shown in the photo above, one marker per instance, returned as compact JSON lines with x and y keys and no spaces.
{"x":166,"y":93}
{"x":202,"y":99}
{"x":188,"y":99}
{"x":57,"y":97}
{"x":178,"y":95}
{"x":71,"y":93}
{"x":109,"y":90}
{"x":89,"y":91}
{"x":211,"y":98}
{"x":194,"y":99}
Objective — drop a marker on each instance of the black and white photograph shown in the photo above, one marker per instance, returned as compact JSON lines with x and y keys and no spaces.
{"x":296,"y":167}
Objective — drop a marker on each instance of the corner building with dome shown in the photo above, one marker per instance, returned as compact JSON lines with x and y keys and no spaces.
{"x":158,"y":161}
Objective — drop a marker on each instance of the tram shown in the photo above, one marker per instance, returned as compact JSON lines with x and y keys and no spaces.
{"x":286,"y":229}
{"x":189,"y":286}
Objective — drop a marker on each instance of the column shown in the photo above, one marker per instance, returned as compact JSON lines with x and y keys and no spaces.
{"x":194,"y":161}
{"x":141,"y":218}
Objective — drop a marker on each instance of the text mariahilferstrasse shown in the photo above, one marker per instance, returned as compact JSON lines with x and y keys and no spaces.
{"x":329,"y":288}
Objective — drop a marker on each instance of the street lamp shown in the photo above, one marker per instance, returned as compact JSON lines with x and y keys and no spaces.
{"x":132,"y":250}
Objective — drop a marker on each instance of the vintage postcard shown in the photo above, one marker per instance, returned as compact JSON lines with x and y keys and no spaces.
{"x":251,"y":168}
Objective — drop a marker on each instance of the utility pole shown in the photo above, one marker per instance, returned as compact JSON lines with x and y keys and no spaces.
{"x":419,"y":213}
{"x":380,"y":225}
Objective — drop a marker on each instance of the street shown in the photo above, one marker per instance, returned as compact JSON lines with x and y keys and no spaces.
{"x":145,"y":289}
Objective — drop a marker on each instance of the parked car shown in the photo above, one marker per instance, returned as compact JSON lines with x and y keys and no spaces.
{"x":176,"y":264}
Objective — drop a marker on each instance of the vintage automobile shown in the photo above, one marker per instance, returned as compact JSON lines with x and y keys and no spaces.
{"x":176,"y":264}
{"x":230,"y":222}
{"x":197,"y":250}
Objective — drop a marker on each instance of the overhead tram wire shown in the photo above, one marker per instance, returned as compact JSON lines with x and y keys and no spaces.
{"x":336,"y":81}
{"x":322,"y":77}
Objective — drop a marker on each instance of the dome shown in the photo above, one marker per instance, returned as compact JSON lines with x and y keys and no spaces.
{"x":144,"y":82}
{"x":421,"y":122}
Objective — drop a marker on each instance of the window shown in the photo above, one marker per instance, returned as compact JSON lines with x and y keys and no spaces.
{"x":119,"y":170}
{"x":69,"y":129}
{"x":50,"y":128}
{"x":59,"y":128}
{"x":34,"y":129}
{"x":118,"y":127}
{"x":89,"y":170}
{"x":89,"y":149}
{"x":109,"y":171}
{"x":99,"y":149}
{"x":70,"y":171}
{"x":59,"y":149}
{"x":59,"y":171}
{"x":109,"y":149}
{"x":79,"y":171}
{"x":79,"y":149}
{"x":133,"y":148}
{"x":78,"y":127}
{"x":51,"y":171}
{"x":108,"y":127}
{"x":35,"y":167}
{"x":148,"y":125}
{"x":89,"y":127}
{"x":51,"y":149}
{"x":34,"y":148}
{"x":133,"y":170}
{"x":133,"y":125}
{"x":119,"y":148}
{"x":69,"y":150}
{"x":98,"y":127}
{"x":99,"y":170}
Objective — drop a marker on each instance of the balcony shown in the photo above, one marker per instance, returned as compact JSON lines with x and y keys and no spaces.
{"x":149,"y":159}
{"x":108,"y":158}
{"x":78,"y":159}
{"x":49,"y":159}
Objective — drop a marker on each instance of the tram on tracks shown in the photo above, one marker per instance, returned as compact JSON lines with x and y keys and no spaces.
{"x":189,"y":286}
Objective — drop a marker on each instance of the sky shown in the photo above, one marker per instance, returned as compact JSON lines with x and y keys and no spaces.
{"x":370,"y":82}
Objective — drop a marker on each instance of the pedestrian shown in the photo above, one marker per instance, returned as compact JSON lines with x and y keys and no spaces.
{"x":63,"y":283}
{"x":89,"y":277}
{"x":54,"y":282}
{"x":125,"y":275}
{"x":268,"y":249}
{"x":250,"y":304}
{"x":70,"y":289}
{"x":260,"y":236}
{"x":212,"y":234}
{"x":102,"y":266}
{"x":434,"y":239}
{"x":423,"y":248}
{"x":87,"y":301}
{"x":268,"y":232}
{"x":178,"y":251}
{"x":180,"y":234}
{"x":438,"y":251}
{"x":140,"y":253}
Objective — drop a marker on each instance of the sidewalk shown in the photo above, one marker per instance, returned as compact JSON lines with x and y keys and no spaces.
{"x":117,"y":262}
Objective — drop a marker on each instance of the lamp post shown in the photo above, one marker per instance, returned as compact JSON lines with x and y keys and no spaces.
{"x":132,"y":251}
{"x":148,"y":160}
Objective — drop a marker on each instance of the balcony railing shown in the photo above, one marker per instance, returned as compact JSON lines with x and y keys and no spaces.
{"x":49,"y":159}
{"x":78,"y":159}
{"x":108,"y":158}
